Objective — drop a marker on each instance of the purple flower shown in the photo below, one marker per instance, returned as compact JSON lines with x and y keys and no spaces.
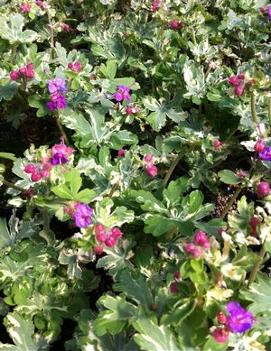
{"x":265,"y":154}
{"x":239,"y":320}
{"x":56,"y":86}
{"x":269,"y":13}
{"x":58,"y":159}
{"x":57,"y":102}
{"x":82,"y":215}
{"x":122,"y":94}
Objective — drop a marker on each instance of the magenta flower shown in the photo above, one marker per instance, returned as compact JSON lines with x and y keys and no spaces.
{"x":265,"y":154}
{"x":60,"y":154}
{"x":217,"y":144}
{"x":263,"y":189}
{"x":175,"y":25}
{"x":221,"y":335}
{"x":239,"y":319}
{"x":14,"y":75}
{"x":82,"y":215}
{"x":259,"y":145}
{"x":239,"y":90}
{"x":201,"y":239}
{"x":66,"y":28}
{"x":75,"y":66}
{"x":192,"y":250}
{"x":155,"y":6}
{"x":41,"y":4}
{"x":27,"y":71}
{"x":121,"y":153}
{"x":151,"y":170}
{"x":122,"y":94}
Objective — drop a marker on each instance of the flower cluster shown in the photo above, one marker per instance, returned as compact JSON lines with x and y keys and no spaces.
{"x":57,"y":90}
{"x":238,"y":320}
{"x":122,"y":93}
{"x":150,"y":167}
{"x":25,"y":7}
{"x":106,"y":237}
{"x":58,"y":154}
{"x":82,"y":215}
{"x":200,"y":242}
{"x":75,"y":66}
{"x":23,"y":72}
{"x":239,"y":83}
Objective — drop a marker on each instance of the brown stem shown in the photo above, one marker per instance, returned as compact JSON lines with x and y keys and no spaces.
{"x":62,"y":131}
{"x":230,"y":203}
{"x":171,"y":170}
{"x":255,"y":269}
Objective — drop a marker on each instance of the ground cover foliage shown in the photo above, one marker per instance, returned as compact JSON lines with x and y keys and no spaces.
{"x":136,"y":203}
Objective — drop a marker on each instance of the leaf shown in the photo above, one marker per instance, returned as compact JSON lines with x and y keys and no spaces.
{"x":21,"y":331}
{"x":148,"y":201}
{"x":151,"y":337}
{"x":38,"y":103}
{"x":228,"y":177}
{"x":8,"y":90}
{"x":8,"y":156}
{"x":11,"y":29}
{"x":259,"y":293}
{"x":122,"y":138}
{"x":75,"y":121}
{"x":136,"y":289}
{"x":158,"y":225}
{"x":114,"y":319}
{"x":175,"y":189}
{"x":5,"y":237}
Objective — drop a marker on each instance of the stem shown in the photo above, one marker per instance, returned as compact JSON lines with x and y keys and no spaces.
{"x":269,"y":110}
{"x":11,"y":185}
{"x":171,"y":169}
{"x":253,"y":107}
{"x":230,"y":203}
{"x":114,"y":187}
{"x":255,"y":269}
{"x":46,"y":222}
{"x":62,"y":131}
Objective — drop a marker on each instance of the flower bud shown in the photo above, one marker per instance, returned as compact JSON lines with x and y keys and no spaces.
{"x":221,"y":318}
{"x":217,"y":144}
{"x":30,"y":168}
{"x":201,"y":239}
{"x":152,"y":170}
{"x":36,"y":176}
{"x":121,"y":153}
{"x":98,"y":250}
{"x":221,"y":335}
{"x":173,"y":288}
{"x":192,"y":250}
{"x":110,"y":241}
{"x":263,"y":189}
{"x":116,"y":233}
{"x":259,"y":145}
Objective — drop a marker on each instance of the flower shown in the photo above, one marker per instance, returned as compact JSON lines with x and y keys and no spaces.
{"x":41,"y":4}
{"x":175,"y":25}
{"x":25,"y":7}
{"x":121,"y":153}
{"x":122,"y":94}
{"x":238,"y":82}
{"x":130,"y":110}
{"x":192,"y":250}
{"x":14,"y":75}
{"x":263,"y":189}
{"x":221,"y":317}
{"x":239,"y":90}
{"x":58,"y":159}
{"x":75,"y":66}
{"x":57,"y":103}
{"x":201,"y":239}
{"x":265,"y":154}
{"x":66,"y":28}
{"x":148,"y":159}
{"x":155,"y":5}
{"x":173,"y":288}
{"x":259,"y":145}
{"x":239,"y":320}
{"x":82,"y":215}
{"x":60,"y":153}
{"x":27,"y":71}
{"x":217,"y":144}
{"x":254,"y":221}
{"x":57,"y":86}
{"x":221,"y":335}
{"x":152,"y":170}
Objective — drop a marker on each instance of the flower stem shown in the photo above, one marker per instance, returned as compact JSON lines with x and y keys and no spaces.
{"x":230,"y":203}
{"x":253,"y":107}
{"x":171,"y":169}
{"x":11,"y":185}
{"x":255,"y":269}
{"x":269,"y":110}
{"x":62,"y":131}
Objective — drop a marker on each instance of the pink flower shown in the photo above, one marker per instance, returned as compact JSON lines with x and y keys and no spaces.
{"x":66,"y":28}
{"x":110,"y":241}
{"x":259,"y":145}
{"x":36,"y":176}
{"x":14,"y":75}
{"x":152,"y":170}
{"x":239,"y":90}
{"x":27,"y":71}
{"x":98,"y":250}
{"x":30,"y":168}
{"x":192,"y":250}
{"x":25,"y":7}
{"x":42,"y":4}
{"x":217,"y":144}
{"x":263,"y":189}
{"x":221,"y":335}
{"x":121,"y":153}
{"x":116,"y":233}
{"x":175,"y":25}
{"x":177,"y":276}
{"x":75,"y":66}
{"x":155,"y":5}
{"x":254,"y":221}
{"x":201,"y":239}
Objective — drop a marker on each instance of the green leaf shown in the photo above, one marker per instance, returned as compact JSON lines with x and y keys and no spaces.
{"x":228,"y":177}
{"x":36,"y":102}
{"x":122,"y":138}
{"x":8,"y":156}
{"x":136,"y":289}
{"x":114,"y":319}
{"x":85,"y":196}
{"x":175,"y":189}
{"x":8,"y":90}
{"x":62,"y":191}
{"x":21,"y":332}
{"x":158,"y":225}
{"x":259,"y":293}
{"x":151,"y":337}
{"x":11,"y":29}
{"x":148,"y":201}
{"x":5,"y":237}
